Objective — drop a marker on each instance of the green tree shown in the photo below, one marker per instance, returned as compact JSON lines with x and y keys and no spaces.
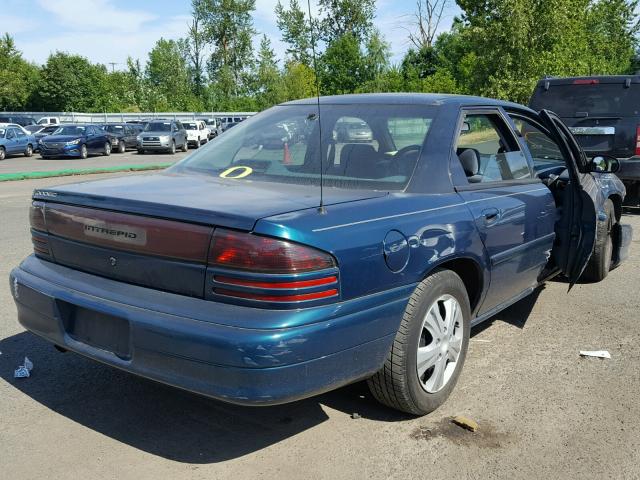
{"x":299,"y":81}
{"x":193,"y":49}
{"x":17,"y":76}
{"x":167,"y":74}
{"x":346,"y":17}
{"x":268,"y":82}
{"x":296,"y":32}
{"x":69,"y":83}
{"x":228,"y":28}
{"x":343,"y":66}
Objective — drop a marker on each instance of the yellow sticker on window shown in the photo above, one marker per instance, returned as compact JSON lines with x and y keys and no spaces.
{"x":244,"y":172}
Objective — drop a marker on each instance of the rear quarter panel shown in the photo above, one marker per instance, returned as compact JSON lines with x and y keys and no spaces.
{"x":436,"y":228}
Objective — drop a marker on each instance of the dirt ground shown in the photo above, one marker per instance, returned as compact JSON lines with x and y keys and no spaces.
{"x":543,"y":411}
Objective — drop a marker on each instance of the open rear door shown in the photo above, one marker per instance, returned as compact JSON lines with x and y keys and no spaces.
{"x":576,"y":229}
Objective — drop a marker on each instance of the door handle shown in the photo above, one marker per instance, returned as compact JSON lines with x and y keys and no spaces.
{"x":491,"y":215}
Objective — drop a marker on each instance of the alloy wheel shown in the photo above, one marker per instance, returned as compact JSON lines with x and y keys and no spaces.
{"x":440,"y":343}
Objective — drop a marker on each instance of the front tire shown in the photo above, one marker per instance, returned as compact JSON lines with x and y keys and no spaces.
{"x":185,"y":147}
{"x":600,"y":262}
{"x":141,"y":151}
{"x":172,"y":149}
{"x":84,"y":153}
{"x":29,"y":151}
{"x":3,"y":153}
{"x":430,"y":347}
{"x":107,"y":149}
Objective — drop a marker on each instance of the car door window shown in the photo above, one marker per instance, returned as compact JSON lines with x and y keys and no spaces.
{"x":11,"y":134}
{"x":488,"y":150}
{"x":19,"y":133}
{"x":544,"y":150}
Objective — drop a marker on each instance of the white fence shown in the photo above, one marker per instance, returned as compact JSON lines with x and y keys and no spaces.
{"x":80,"y":117}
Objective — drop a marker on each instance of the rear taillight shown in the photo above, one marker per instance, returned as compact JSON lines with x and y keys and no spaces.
{"x":262,"y":269}
{"x":586,"y":81}
{"x":638,"y":140}
{"x":38,"y":230}
{"x":244,"y":251}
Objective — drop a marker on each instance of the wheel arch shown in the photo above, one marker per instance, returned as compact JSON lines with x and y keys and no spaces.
{"x":616,"y":199}
{"x":470,"y":272}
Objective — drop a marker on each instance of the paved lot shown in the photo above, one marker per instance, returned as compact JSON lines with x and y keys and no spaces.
{"x":21,"y":163}
{"x":543,"y":411}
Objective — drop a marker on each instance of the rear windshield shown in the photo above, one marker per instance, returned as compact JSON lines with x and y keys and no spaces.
{"x":283,"y":145}
{"x":113,"y":128}
{"x":604,"y":99}
{"x":158,"y":127}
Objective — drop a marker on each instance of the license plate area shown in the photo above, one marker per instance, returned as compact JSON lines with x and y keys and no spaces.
{"x":96,"y":329}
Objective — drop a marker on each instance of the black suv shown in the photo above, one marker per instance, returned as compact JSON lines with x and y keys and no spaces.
{"x":123,"y":135}
{"x":604,"y":115}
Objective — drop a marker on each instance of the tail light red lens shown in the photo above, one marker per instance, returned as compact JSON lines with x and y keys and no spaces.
{"x":243,"y":251}
{"x":638,"y":140}
{"x":36,"y":216}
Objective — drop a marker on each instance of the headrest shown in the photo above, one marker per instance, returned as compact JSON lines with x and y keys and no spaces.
{"x":470,"y":160}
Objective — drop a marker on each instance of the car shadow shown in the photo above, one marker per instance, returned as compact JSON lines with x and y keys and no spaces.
{"x":165,"y":421}
{"x":516,"y":315}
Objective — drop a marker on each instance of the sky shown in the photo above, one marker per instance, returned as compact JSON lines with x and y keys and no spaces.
{"x":108,"y":31}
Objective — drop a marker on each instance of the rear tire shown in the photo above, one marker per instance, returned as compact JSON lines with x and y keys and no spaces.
{"x":600,"y":262}
{"x":140,"y":151}
{"x":420,"y":371}
{"x":29,"y":151}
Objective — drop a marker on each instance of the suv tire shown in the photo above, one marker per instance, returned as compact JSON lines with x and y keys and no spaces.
{"x":420,"y":373}
{"x":600,"y":262}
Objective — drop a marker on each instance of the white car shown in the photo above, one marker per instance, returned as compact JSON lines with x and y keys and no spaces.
{"x":197,"y":132}
{"x":46,"y":121}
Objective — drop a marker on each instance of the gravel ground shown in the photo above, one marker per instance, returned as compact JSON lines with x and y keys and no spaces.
{"x":20,"y":163}
{"x":543,"y":411}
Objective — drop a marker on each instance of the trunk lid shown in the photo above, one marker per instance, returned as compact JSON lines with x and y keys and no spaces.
{"x":155,"y":230}
{"x":198,"y":199}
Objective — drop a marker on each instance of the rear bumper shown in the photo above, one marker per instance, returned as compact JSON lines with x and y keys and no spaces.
{"x":189,"y":343}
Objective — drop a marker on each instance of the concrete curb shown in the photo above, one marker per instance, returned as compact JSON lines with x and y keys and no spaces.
{"x":7,"y":177}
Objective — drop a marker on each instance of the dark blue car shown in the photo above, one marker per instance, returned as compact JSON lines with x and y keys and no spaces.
{"x":75,"y":141}
{"x":258,"y":271}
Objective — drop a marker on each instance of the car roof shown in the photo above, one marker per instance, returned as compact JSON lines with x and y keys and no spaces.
{"x":428,"y":99}
{"x":599,"y":78}
{"x":5,"y":125}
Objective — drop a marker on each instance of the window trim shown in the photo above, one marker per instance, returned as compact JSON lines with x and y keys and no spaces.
{"x":466,"y":186}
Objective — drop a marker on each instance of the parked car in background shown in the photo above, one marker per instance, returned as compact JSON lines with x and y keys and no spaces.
{"x":75,"y":141}
{"x":38,"y":131}
{"x":228,"y":275}
{"x":21,"y":120}
{"x":603,"y":113}
{"x":215,"y":127}
{"x":49,"y":121}
{"x":353,"y":131}
{"x":197,"y":132}
{"x":15,"y":140}
{"x":123,"y":135}
{"x":163,"y":135}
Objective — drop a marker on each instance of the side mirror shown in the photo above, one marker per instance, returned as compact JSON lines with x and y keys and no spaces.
{"x":605,"y":164}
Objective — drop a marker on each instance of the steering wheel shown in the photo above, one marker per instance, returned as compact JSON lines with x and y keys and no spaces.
{"x":404,"y":161}
{"x":406,"y":150}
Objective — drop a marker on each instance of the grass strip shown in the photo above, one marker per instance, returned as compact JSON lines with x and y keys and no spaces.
{"x":6,"y":177}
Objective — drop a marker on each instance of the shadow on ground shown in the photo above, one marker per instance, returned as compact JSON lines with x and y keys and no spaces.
{"x":162,"y":420}
{"x":175,"y":424}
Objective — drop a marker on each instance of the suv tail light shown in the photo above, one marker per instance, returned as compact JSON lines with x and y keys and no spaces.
{"x":264,"y":269}
{"x":638,"y":140}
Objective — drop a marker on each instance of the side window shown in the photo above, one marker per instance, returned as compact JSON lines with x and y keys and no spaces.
{"x":19,"y":132}
{"x":545,"y":151}
{"x":408,"y":131}
{"x":488,"y":150}
{"x":11,"y":133}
